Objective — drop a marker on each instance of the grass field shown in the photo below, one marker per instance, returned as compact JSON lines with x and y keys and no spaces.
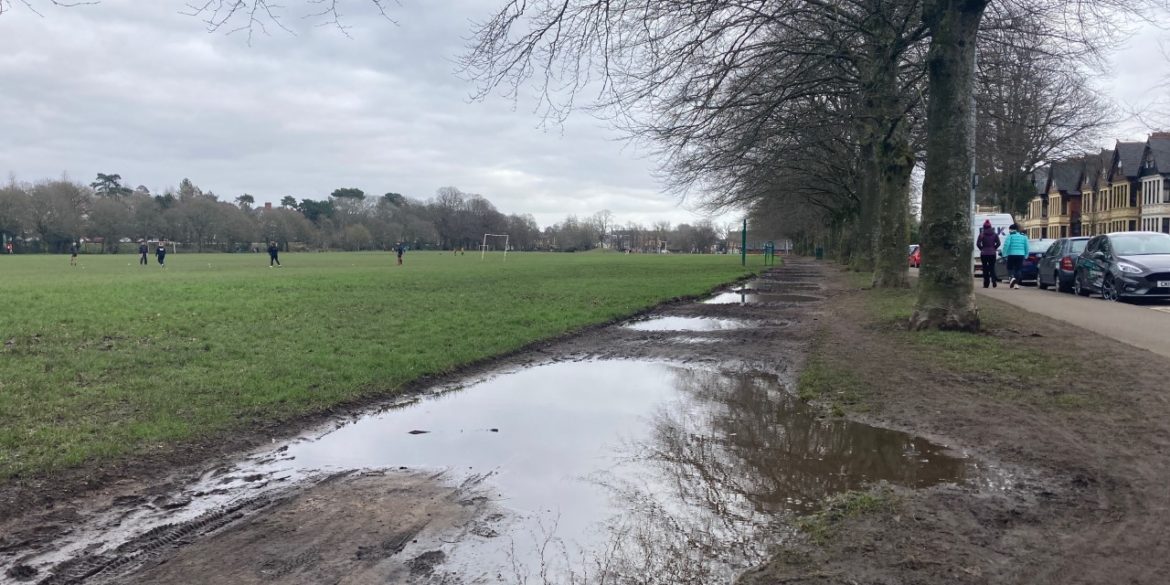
{"x":108,"y":359}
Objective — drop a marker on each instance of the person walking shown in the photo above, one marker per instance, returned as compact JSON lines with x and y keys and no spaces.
{"x":73,"y":253}
{"x":143,"y":251}
{"x":400,"y":248}
{"x":1015,"y":249}
{"x":273,"y":250}
{"x":161,"y":253}
{"x":988,"y":244}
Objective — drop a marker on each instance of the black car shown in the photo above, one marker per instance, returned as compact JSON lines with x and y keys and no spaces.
{"x":1125,"y":264}
{"x":1058,"y":263}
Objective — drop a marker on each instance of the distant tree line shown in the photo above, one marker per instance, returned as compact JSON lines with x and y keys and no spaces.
{"x":110,"y":217}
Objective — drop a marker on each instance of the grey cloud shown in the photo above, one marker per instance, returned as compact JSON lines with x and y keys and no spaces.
{"x":136,"y":88}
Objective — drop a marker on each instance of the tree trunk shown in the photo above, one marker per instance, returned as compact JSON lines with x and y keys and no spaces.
{"x":894,"y":161}
{"x":946,"y":284}
{"x":865,"y":228}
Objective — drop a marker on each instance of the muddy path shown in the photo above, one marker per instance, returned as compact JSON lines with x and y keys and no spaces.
{"x":1084,"y":446}
{"x":666,"y":449}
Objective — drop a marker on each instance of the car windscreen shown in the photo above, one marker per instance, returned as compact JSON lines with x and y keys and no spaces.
{"x":1077,"y":246}
{"x":1038,"y":246}
{"x":1140,"y":244}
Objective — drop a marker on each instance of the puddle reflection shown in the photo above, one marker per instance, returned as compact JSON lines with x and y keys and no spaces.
{"x":659,"y":472}
{"x":686,"y":324}
{"x":726,"y":465}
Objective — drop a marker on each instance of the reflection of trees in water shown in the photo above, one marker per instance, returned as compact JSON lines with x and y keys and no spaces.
{"x":743,"y":434}
{"x":726,"y":462}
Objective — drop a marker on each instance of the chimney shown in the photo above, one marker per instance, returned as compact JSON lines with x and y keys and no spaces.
{"x":267,"y":206}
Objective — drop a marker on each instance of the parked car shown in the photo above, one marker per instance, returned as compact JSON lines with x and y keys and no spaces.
{"x":915,"y":256}
{"x":1057,"y":265}
{"x":1124,"y":265}
{"x":1036,"y":249}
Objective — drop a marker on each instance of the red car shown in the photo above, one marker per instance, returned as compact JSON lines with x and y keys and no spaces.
{"x":916,"y":257}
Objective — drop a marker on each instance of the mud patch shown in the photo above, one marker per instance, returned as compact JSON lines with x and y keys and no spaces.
{"x":424,"y":565}
{"x":349,"y":530}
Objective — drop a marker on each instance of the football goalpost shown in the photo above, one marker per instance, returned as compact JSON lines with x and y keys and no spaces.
{"x":483,"y":247}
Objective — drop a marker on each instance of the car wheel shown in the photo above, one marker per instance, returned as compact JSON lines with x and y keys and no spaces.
{"x":1040,"y":284}
{"x":1079,"y":288}
{"x":1109,"y":290}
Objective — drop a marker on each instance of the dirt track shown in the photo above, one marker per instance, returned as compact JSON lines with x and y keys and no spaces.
{"x":1083,"y":451}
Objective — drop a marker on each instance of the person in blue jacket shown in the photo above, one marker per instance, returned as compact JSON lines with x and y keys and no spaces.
{"x":1015,"y":249}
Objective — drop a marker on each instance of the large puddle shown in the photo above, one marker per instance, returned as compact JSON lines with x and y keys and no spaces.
{"x":635,"y":464}
{"x":686,"y":324}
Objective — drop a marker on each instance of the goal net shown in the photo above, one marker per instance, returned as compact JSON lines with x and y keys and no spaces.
{"x":495,"y":239}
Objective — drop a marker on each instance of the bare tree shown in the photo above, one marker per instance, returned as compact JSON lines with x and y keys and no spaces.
{"x":1033,"y":106}
{"x":603,"y":223}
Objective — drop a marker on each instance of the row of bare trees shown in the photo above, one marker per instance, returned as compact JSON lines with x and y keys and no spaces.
{"x":48,"y":216}
{"x":819,"y":110}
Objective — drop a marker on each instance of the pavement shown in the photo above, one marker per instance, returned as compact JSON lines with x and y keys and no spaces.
{"x":1141,"y":325}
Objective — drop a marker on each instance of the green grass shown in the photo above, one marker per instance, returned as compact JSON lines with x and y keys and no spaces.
{"x":1007,"y":367}
{"x":831,"y":383}
{"x":108,"y":360}
{"x":953,"y":350}
{"x":821,"y":525}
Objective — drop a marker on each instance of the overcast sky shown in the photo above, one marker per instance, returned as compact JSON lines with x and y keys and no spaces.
{"x":135,"y":88}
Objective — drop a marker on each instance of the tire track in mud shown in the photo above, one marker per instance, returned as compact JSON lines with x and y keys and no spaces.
{"x":148,"y":546}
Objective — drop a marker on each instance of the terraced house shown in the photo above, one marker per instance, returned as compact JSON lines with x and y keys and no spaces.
{"x":1094,"y":191}
{"x":1155,"y":183}
{"x":1103,"y":193}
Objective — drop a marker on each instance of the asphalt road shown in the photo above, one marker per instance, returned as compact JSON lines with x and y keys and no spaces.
{"x":1144,"y":325}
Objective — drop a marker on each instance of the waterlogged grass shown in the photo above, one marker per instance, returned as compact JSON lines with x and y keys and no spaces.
{"x":831,"y":383}
{"x":109,"y":360}
{"x":822,"y":525}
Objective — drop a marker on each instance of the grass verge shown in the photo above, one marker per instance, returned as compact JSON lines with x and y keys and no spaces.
{"x":831,"y":383}
{"x":820,"y":526}
{"x":108,"y":359}
{"x":999,"y":361}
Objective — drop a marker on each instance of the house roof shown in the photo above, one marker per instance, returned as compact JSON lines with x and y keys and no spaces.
{"x":1092,"y":170}
{"x":1106,"y":159}
{"x":1130,"y":155}
{"x":1040,"y":179}
{"x":1066,"y":175}
{"x":1159,"y":145}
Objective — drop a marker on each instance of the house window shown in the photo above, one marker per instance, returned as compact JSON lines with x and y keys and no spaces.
{"x":1166,"y":225}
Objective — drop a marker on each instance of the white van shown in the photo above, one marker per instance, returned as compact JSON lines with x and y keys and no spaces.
{"x":1000,"y":221}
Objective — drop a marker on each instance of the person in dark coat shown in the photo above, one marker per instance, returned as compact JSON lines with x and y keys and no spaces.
{"x":161,"y":254}
{"x":273,"y":250}
{"x":143,"y":251}
{"x":73,"y":253}
{"x":988,"y":244}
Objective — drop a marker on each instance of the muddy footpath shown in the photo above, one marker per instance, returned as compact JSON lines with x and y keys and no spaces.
{"x":667,"y":449}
